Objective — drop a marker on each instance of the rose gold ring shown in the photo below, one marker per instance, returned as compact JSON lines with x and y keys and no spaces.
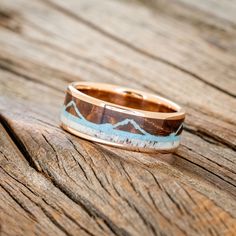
{"x":122,"y":117}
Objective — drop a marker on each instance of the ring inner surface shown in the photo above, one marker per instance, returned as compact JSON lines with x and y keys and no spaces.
{"x":128,"y":99}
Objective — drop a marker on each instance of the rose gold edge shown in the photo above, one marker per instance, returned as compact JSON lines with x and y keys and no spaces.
{"x":116,"y":145}
{"x":180,"y":114}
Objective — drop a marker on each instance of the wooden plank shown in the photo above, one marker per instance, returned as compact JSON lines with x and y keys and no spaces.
{"x":73,"y":186}
{"x":117,"y":186}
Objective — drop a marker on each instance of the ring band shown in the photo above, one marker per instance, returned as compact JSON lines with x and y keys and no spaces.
{"x":122,"y":117}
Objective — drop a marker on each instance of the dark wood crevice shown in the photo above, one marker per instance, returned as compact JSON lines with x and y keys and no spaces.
{"x":19,"y":203}
{"x":210,"y":138}
{"x":20,"y":145}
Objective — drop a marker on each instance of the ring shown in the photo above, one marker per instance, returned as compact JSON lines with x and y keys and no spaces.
{"x":121,"y":117}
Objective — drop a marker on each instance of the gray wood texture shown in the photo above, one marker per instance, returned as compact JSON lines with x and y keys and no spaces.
{"x":53,"y":183}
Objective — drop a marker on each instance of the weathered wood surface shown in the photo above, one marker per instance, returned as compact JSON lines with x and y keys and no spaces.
{"x":53,"y":183}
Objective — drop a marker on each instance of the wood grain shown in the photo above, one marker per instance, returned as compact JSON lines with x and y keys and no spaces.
{"x":55,"y":183}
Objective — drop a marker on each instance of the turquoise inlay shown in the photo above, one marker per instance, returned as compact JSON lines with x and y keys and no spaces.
{"x":109,"y":129}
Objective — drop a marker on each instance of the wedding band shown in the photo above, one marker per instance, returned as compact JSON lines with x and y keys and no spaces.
{"x":122,"y":117}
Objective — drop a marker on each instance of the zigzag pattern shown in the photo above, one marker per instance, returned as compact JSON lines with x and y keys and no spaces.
{"x":121,"y":123}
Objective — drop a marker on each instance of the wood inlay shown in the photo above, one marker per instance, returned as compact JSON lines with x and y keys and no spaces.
{"x":102,"y":115}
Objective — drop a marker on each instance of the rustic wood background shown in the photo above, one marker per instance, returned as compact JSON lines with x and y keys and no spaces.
{"x":53,"y":183}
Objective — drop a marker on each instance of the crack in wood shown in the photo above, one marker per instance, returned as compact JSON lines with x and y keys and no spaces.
{"x":17,"y":141}
{"x":210,"y":138}
{"x":19,"y":203}
{"x":214,"y":162}
{"x":76,"y":222}
{"x":92,"y":210}
{"x":205,"y":169}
